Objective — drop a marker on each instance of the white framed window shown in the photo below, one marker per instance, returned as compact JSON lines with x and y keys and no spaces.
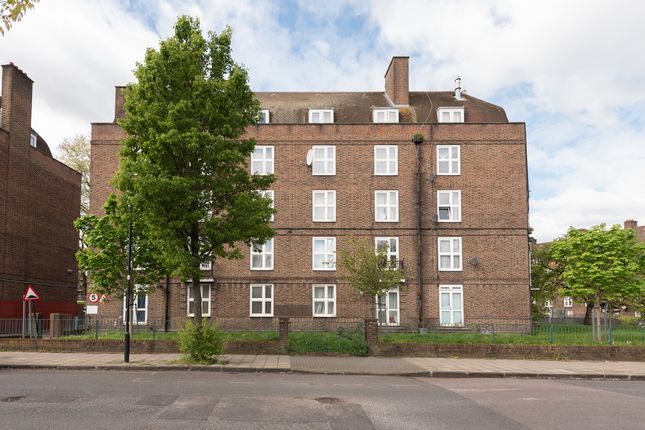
{"x":324,"y":160}
{"x":139,"y":309}
{"x":206,"y":300}
{"x":449,"y":253}
{"x":261,"y":300}
{"x":450,"y":114}
{"x":321,"y":116}
{"x":385,"y":115}
{"x":451,"y":304}
{"x":386,"y":206}
{"x":206,"y":265}
{"x":324,"y":300}
{"x":391,"y":245}
{"x":262,"y":255}
{"x":388,"y":308}
{"x":448,"y":160}
{"x":568,"y":302}
{"x":264,"y":116}
{"x":637,"y":314}
{"x":269,"y":195}
{"x":568,"y":313}
{"x":548,"y":304}
{"x":323,"y":204}
{"x":323,"y":254}
{"x":449,"y":205}
{"x":386,"y":160}
{"x":33,"y":140}
{"x":262,"y":160}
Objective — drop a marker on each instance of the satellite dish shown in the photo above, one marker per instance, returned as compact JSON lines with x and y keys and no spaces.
{"x":310,"y":157}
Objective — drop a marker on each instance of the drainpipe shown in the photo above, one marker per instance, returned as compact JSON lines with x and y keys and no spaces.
{"x":417,"y":143}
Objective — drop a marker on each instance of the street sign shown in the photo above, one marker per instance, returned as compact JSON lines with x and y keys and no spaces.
{"x":30,"y":294}
{"x":93,"y":298}
{"x":103,"y":299}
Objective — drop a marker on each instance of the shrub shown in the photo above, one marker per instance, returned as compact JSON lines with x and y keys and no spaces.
{"x":203,"y":343}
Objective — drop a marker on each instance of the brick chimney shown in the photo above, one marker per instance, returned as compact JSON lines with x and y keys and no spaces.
{"x":397,"y":82}
{"x":119,"y":100}
{"x":16,"y":102}
{"x":630,"y":223}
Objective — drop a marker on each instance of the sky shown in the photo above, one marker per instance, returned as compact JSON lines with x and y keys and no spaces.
{"x":571,"y":70}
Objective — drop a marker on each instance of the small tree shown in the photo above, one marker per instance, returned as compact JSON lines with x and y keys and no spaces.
{"x":75,"y":152}
{"x":106,"y":256}
{"x":546,"y":278}
{"x":369,"y":270}
{"x":184,"y":162}
{"x":600,"y":265}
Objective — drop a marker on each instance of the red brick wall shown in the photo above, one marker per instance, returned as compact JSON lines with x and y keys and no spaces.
{"x":39,"y":201}
{"x":494,"y":223}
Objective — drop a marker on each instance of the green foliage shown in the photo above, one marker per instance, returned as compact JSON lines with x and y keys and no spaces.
{"x":185,"y":160}
{"x":542,"y":334}
{"x":12,"y":11}
{"x":75,"y":152}
{"x":545,"y":279}
{"x":106,"y":256}
{"x":368,"y":270}
{"x":337,"y":343}
{"x":202,"y":342}
{"x":601,"y":264}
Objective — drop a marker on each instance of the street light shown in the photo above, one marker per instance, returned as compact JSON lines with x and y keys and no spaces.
{"x":126,"y":349}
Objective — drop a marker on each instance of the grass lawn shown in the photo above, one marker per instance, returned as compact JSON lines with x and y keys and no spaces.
{"x":560,"y":334}
{"x":327,"y":342}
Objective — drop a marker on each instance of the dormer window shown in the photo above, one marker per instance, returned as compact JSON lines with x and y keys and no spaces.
{"x":384,"y":115}
{"x":33,"y":140}
{"x":264,"y":116}
{"x":321,"y":116}
{"x":450,"y":114}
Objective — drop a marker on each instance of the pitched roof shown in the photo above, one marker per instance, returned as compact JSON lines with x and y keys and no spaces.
{"x":356,"y":107}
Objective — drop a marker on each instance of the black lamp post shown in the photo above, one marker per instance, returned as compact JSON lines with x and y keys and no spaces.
{"x":126,"y":350}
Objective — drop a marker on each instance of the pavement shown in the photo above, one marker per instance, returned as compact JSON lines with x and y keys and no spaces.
{"x":395,"y":366}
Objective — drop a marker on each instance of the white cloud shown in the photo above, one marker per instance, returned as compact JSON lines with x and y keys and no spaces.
{"x":566,"y":68}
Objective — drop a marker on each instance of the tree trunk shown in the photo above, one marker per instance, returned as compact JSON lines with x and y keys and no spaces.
{"x":197,"y":291}
{"x":597,"y":319}
{"x":588,"y":316}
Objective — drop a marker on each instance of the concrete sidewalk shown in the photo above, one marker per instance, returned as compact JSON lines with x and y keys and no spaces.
{"x":402,"y":366}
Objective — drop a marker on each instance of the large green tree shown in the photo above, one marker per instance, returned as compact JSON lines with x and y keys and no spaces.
{"x":369,"y":270}
{"x":185,"y":160}
{"x":601,"y":265}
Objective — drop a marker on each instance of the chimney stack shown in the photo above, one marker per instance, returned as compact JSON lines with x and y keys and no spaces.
{"x":630,"y":223}
{"x":458,"y":88}
{"x":119,"y":101}
{"x":16,"y":104}
{"x":397,"y":82}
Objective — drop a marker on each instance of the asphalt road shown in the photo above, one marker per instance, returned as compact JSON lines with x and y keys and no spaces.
{"x":31,"y":399}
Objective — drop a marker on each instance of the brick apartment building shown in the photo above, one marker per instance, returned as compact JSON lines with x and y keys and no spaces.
{"x":39,"y":201}
{"x":453,"y":208}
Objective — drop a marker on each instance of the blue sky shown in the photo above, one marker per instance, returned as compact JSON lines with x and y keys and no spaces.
{"x":567,"y":69}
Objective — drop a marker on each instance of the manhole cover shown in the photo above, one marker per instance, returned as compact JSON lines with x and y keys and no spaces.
{"x":328,"y":400}
{"x":12,"y":398}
